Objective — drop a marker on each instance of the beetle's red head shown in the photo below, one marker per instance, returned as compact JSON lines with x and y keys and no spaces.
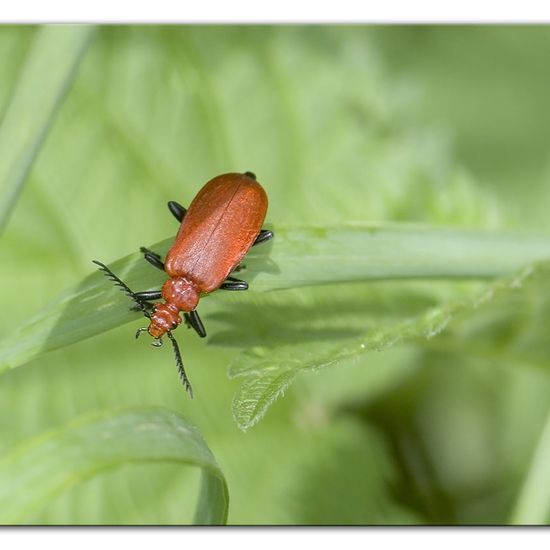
{"x":165,"y":317}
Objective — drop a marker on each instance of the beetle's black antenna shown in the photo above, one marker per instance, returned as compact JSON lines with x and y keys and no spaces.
{"x":124,"y":288}
{"x":179,"y":363}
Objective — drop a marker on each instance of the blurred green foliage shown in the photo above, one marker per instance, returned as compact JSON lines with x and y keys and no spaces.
{"x":437,"y":418}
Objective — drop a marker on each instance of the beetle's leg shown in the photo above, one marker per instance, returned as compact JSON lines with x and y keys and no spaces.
{"x":147,"y":295}
{"x":192,"y":320}
{"x":152,"y":257}
{"x":231,"y":283}
{"x":263,"y":236}
{"x":149,"y":306}
{"x":146,"y":250}
{"x":177,"y":210}
{"x":144,"y":297}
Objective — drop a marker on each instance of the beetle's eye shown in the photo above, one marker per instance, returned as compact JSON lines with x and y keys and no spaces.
{"x":174,"y":325}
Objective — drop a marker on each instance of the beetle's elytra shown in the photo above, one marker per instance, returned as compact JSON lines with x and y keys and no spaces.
{"x":223,"y":221}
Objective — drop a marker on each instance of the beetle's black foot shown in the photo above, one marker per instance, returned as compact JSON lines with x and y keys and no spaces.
{"x":263,"y":236}
{"x":231,"y":283}
{"x":192,"y":320}
{"x":152,"y":257}
{"x":177,"y":210}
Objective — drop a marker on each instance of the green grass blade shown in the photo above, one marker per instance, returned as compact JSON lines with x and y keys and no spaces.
{"x":304,"y":256}
{"x":36,"y":471}
{"x":533,"y":504}
{"x":43,"y":82}
{"x":296,"y":257}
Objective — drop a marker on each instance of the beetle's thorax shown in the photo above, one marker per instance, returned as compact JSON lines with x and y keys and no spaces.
{"x":180,"y":294}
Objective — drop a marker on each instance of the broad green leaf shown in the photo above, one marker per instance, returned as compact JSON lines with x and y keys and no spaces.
{"x":296,"y":257}
{"x":37,"y":470}
{"x":44,"y":79}
{"x":268,"y":372}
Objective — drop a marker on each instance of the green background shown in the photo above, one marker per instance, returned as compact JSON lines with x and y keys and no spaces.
{"x":442,"y":126}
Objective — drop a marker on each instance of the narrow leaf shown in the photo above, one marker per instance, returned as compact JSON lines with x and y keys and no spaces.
{"x":303,"y":256}
{"x":296,"y":257}
{"x":533,"y":503}
{"x":36,"y":471}
{"x":43,"y":82}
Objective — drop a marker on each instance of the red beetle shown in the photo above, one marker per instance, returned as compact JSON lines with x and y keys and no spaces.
{"x":223,"y":221}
